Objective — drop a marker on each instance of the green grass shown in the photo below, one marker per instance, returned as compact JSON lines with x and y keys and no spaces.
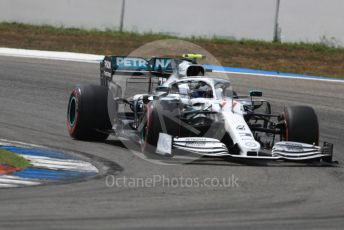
{"x":302,"y":58}
{"x":149,"y":35}
{"x":77,"y":31}
{"x":13,"y":159}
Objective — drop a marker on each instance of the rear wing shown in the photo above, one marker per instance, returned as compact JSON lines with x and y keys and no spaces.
{"x":161,"y":67}
{"x":136,"y":66}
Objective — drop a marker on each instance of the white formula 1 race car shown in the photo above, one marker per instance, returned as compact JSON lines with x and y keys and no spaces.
{"x":187,"y":112}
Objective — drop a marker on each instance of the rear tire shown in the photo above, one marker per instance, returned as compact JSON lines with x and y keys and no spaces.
{"x":301,"y":125}
{"x":87,"y":113}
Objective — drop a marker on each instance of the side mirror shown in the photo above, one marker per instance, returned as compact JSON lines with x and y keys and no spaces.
{"x":255,"y":93}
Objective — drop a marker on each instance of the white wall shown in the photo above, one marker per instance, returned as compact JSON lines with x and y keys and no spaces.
{"x":300,"y":20}
{"x":310,"y":20}
{"x":88,"y":14}
{"x":231,"y":18}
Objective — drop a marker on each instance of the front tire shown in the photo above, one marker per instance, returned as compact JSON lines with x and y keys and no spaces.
{"x":151,"y":130}
{"x":301,"y":125}
{"x":87,"y":113}
{"x":158,"y":116}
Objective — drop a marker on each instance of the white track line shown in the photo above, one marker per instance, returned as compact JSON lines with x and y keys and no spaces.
{"x":3,"y":185}
{"x":18,"y":143}
{"x":51,"y":55}
{"x":66,"y":164}
{"x":6,"y":180}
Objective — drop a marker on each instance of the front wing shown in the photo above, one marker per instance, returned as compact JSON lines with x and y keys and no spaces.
{"x":204,"y":146}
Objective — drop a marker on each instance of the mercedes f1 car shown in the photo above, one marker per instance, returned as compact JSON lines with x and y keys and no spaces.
{"x":184,"y":111}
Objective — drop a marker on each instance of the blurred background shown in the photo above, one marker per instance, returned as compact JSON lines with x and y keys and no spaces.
{"x":286,"y":20}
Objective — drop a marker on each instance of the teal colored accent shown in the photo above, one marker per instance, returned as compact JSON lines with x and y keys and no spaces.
{"x":72,"y":117}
